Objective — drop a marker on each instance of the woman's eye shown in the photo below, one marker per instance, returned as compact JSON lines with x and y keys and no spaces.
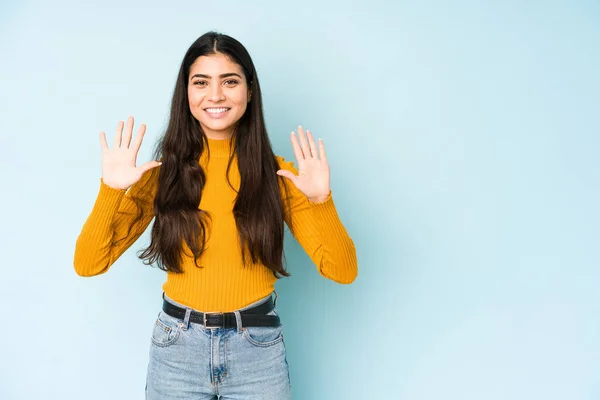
{"x":200,"y":83}
{"x":231,"y":82}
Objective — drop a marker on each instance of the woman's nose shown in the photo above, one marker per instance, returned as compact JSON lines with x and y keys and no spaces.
{"x":216,"y":93}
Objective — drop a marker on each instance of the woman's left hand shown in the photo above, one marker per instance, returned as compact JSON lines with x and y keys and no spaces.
{"x":313,"y":169}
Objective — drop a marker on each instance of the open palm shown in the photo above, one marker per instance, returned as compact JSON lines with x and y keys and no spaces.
{"x":119,"y":168}
{"x":313,"y":170}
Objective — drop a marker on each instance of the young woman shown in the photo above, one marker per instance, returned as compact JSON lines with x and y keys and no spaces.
{"x":219,"y":198}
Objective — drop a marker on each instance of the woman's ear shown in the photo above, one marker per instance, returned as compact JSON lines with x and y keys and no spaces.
{"x":249,"y":95}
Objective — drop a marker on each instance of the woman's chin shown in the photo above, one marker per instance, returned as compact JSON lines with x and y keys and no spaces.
{"x":217,"y":131}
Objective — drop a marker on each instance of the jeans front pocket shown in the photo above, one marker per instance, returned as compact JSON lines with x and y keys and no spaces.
{"x":166,"y":330}
{"x":264,"y":336}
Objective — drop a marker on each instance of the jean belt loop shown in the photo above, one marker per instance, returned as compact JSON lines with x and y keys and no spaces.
{"x":186,"y":319}
{"x":238,"y":321}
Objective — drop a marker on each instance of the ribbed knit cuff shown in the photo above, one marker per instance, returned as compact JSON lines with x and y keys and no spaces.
{"x":109,"y":198}
{"x":326,"y":206}
{"x":326,"y":214}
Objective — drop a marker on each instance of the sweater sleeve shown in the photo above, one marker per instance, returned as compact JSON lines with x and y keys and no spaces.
{"x":111,"y":228}
{"x":319,"y":230}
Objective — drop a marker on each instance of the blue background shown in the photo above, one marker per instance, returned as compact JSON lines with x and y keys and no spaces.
{"x":463,"y":138}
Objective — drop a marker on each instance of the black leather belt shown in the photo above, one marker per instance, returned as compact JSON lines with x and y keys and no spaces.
{"x":255,"y":316}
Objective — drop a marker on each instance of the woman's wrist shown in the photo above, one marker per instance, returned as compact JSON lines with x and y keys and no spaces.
{"x":318,"y":199}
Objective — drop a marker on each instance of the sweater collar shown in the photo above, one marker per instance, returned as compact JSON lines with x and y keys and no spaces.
{"x":220,"y":148}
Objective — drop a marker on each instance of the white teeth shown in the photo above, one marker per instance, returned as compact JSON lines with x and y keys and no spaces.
{"x":216,"y":110}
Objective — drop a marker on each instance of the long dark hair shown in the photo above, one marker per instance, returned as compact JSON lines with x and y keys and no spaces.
{"x":258,"y":209}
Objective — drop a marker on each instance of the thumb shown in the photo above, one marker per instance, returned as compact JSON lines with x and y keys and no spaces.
{"x":288,"y":174}
{"x":149,"y":165}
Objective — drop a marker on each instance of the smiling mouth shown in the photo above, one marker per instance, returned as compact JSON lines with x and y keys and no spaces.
{"x":217,"y":110}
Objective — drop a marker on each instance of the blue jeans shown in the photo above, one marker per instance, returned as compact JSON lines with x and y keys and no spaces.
{"x":188,"y":361}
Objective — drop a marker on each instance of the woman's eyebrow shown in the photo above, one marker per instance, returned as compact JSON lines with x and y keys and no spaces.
{"x":227,"y":75}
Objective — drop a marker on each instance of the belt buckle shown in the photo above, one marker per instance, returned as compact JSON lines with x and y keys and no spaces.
{"x":216,"y":326}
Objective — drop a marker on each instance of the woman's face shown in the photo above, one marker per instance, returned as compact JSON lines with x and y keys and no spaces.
{"x":218,"y":94}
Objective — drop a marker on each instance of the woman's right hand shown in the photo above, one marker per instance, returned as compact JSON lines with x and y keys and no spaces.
{"x":119,"y":169}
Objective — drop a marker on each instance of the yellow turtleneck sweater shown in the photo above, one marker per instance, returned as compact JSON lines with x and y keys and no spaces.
{"x":223,"y":284}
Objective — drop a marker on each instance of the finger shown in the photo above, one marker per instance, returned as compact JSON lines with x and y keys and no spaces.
{"x":288,"y":174}
{"x":128,"y":133}
{"x":118,"y":133}
{"x":137,"y":142}
{"x":126,"y":141}
{"x":322,"y":153}
{"x":312,"y":144}
{"x":149,"y":165}
{"x":304,"y":143}
{"x":103,"y":143}
{"x":297,"y":150}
